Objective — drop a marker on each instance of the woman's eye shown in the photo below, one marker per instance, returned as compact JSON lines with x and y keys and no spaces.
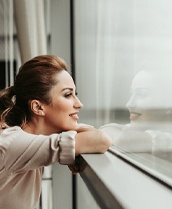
{"x":142,"y":94}
{"x":68,"y":94}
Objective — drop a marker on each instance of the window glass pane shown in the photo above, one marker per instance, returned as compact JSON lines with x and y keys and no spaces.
{"x":124,"y":76}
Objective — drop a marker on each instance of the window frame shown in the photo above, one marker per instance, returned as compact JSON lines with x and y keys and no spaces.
{"x":117,"y":183}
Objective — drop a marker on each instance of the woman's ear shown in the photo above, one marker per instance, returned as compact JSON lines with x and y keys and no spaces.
{"x":36,"y":107}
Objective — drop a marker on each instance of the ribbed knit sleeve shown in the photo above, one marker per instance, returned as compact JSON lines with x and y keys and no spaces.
{"x":65,"y":146}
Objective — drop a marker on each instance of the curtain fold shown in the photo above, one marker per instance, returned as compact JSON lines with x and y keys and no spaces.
{"x":31,"y":32}
{"x":104,"y":54}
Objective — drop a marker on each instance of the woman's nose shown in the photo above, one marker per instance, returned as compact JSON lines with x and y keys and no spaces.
{"x":131,"y":103}
{"x":78,"y":103}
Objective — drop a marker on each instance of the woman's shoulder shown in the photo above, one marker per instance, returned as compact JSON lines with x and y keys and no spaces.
{"x":10,"y":130}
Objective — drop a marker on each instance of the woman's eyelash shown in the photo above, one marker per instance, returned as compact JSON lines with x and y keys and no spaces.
{"x":68,"y":94}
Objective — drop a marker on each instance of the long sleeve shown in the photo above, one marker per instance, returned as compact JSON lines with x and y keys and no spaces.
{"x":21,"y":151}
{"x":161,"y":141}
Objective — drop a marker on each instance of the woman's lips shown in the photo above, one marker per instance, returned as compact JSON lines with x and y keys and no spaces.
{"x":134,"y":115}
{"x":74,"y":116}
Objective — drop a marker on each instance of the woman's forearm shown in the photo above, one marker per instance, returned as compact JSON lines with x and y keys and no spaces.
{"x":92,"y":141}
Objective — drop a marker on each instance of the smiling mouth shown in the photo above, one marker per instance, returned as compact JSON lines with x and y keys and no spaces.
{"x":134,"y":115}
{"x":74,"y":116}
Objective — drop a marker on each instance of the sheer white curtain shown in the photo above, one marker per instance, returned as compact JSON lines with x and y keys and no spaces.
{"x":31,"y":30}
{"x":8,"y":44}
{"x":113,"y":40}
{"x":104,"y":55}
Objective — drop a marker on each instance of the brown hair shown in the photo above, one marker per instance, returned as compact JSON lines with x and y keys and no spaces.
{"x":35,"y":79}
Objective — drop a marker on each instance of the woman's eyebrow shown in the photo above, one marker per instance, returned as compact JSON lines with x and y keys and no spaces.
{"x":67,"y":88}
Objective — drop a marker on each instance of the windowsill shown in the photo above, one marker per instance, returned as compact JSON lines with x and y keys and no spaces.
{"x":117,"y":184}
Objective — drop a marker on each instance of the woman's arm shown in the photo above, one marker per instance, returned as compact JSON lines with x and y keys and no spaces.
{"x":127,"y":138}
{"x":91,"y":140}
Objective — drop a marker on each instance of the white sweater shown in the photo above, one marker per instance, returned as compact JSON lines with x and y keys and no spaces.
{"x":22,"y":156}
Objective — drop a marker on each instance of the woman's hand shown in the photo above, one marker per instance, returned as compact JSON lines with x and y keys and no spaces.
{"x":78,"y":166}
{"x":114,"y":131}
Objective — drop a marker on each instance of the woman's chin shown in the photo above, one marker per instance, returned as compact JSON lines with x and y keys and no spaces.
{"x":73,"y":127}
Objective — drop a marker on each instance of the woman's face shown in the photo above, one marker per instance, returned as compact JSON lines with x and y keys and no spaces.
{"x":62,"y":113}
{"x":146,"y":104}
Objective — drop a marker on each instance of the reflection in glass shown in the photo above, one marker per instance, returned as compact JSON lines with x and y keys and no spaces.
{"x":150,"y":109}
{"x":115,"y":41}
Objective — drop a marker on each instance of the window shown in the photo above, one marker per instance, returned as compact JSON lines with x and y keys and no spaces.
{"x":124,"y":77}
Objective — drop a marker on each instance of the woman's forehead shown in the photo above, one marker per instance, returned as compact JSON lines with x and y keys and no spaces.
{"x":64,"y":80}
{"x":142,"y":80}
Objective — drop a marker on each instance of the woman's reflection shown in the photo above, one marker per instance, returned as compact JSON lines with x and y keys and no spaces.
{"x":150,"y":102}
{"x":150,"y":108}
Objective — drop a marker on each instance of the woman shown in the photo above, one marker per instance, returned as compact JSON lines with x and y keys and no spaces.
{"x":39,"y":115}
